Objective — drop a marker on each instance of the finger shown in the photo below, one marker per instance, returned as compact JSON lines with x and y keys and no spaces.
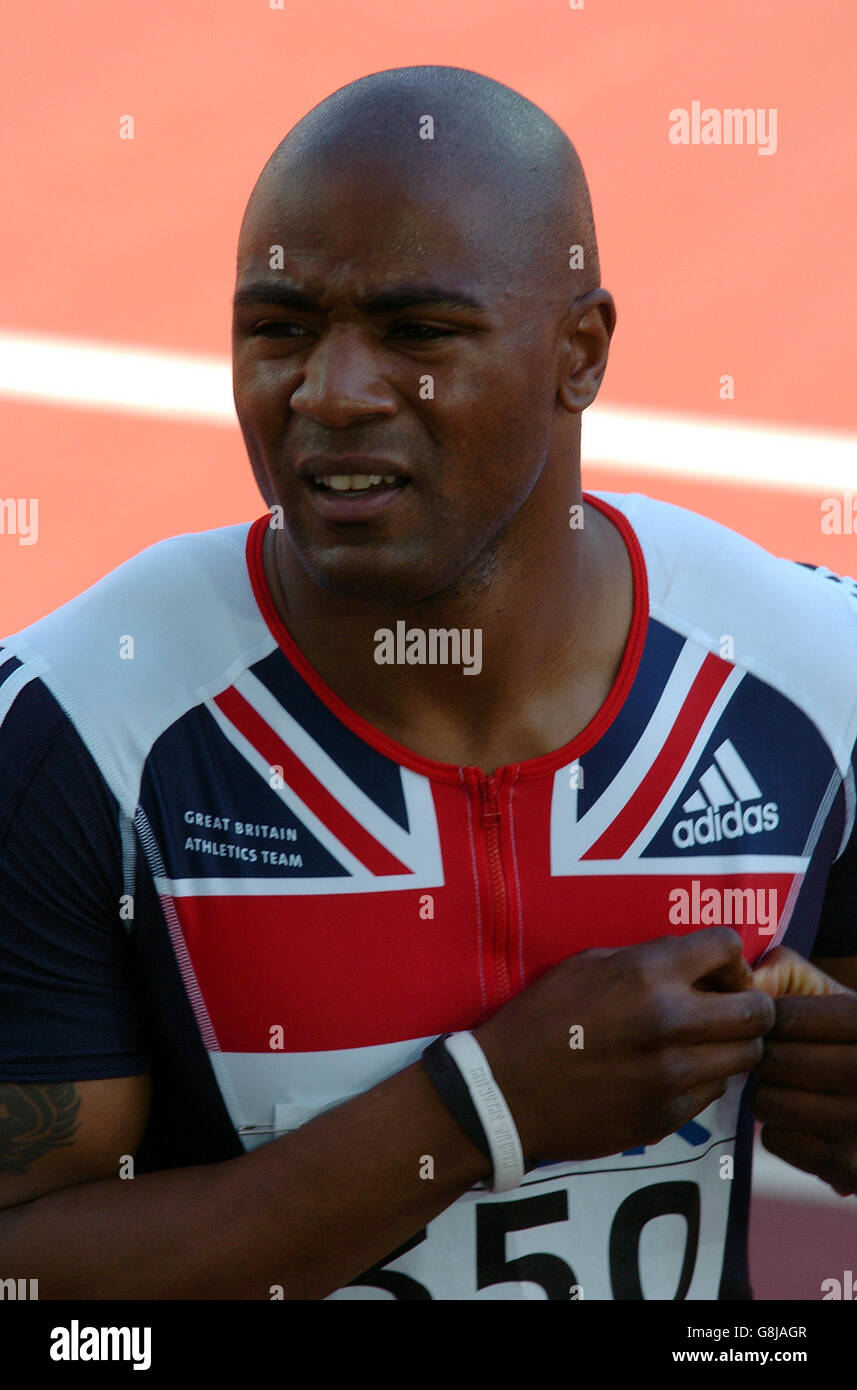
{"x":830,"y":1019}
{"x":708,"y":1017}
{"x":813,"y":1155}
{"x":697,"y":954}
{"x":734,"y":975}
{"x":828,"y":1117}
{"x":830,"y":1068}
{"x":783,"y":971}
{"x":710,"y":1063}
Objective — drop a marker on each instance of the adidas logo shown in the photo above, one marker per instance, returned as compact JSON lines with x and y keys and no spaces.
{"x":728,"y":782}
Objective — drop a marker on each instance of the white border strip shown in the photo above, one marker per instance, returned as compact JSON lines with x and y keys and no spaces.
{"x":198,"y":388}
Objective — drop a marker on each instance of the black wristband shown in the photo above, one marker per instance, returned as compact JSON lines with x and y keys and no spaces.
{"x":453,"y":1091}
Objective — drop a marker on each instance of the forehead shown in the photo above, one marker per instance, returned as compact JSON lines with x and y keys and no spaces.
{"x":370,"y":222}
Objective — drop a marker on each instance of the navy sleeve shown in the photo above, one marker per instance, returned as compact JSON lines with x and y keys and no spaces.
{"x":837,"y":928}
{"x":69,"y":1008}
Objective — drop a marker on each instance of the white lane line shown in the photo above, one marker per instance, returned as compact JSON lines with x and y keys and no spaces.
{"x":699,"y":447}
{"x":104,"y":376}
{"x":198,"y":388}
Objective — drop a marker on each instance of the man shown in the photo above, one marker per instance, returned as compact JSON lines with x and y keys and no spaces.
{"x":438,"y":746}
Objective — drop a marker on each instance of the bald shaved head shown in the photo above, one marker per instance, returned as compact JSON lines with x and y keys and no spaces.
{"x":486,"y":145}
{"x":418,"y":297}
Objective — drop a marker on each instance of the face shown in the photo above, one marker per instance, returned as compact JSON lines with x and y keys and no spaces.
{"x":447,"y":386}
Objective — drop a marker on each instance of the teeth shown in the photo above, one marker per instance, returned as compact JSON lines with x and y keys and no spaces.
{"x":354,"y":482}
{"x":342,"y":482}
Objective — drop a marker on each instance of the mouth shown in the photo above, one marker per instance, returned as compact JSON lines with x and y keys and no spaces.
{"x":357,"y":484}
{"x":355,"y":497}
{"x":353,"y":487}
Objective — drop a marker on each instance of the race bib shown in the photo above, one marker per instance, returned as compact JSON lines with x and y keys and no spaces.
{"x":647,"y":1224}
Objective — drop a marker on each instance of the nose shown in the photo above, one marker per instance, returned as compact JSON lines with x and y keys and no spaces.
{"x":341,"y":381}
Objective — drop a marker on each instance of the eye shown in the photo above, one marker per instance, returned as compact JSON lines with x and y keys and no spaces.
{"x":423,"y":331}
{"x":283,"y":328}
{"x":275,"y":328}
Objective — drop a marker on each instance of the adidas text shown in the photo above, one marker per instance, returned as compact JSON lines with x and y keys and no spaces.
{"x":713,"y":826}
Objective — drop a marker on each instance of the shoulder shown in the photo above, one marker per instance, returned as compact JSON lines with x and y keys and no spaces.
{"x":791,"y":625}
{"x":127,"y":657}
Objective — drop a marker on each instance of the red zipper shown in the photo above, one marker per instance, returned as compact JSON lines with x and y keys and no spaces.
{"x":491,"y":823}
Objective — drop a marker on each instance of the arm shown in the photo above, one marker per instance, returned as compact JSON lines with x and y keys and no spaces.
{"x":309,"y":1211}
{"x":314,"y":1209}
{"x":56,"y":1134}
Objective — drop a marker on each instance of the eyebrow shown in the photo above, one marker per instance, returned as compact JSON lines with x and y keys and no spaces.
{"x":381,"y":302}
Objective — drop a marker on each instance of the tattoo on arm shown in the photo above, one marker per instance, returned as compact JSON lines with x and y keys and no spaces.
{"x":35,"y":1118}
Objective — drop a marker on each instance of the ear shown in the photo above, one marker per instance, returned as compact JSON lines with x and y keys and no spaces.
{"x":587,"y":331}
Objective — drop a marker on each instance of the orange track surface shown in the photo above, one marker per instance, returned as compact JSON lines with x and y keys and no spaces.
{"x":721,"y":260}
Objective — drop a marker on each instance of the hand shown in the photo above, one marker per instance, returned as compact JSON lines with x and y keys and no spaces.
{"x":807,"y":1093}
{"x":665,"y":1024}
{"x":783,"y":971}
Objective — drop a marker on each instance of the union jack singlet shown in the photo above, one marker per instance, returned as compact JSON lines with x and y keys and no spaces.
{"x":211,"y":869}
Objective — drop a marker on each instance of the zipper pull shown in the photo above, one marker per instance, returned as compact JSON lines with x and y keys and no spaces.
{"x":490,"y":802}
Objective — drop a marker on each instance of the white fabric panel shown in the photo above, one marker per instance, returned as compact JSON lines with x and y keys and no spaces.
{"x":790,"y":627}
{"x":188,"y":605}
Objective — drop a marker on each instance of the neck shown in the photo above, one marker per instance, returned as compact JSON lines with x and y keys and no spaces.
{"x":544,"y":620}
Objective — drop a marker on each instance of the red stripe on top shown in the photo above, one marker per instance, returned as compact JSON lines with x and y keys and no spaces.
{"x":641,"y":806}
{"x":376,"y":858}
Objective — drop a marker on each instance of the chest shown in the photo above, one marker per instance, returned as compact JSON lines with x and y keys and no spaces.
{"x":356,"y":903}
